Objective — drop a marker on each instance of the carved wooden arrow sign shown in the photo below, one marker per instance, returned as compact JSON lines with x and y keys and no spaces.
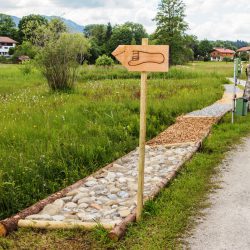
{"x":143,"y":58}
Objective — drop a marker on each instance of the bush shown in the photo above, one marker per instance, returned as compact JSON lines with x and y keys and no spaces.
{"x":244,"y":56}
{"x":3,"y":59}
{"x":27,"y":49}
{"x":227,"y":59}
{"x":26,"y":67}
{"x":59,"y":60}
{"x":104,"y":61}
{"x":206,"y":59}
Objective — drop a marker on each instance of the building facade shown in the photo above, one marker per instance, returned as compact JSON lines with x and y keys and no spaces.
{"x":5,"y":44}
{"x":218,"y":54}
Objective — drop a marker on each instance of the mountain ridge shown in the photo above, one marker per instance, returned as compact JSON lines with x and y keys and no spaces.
{"x":72,"y":26}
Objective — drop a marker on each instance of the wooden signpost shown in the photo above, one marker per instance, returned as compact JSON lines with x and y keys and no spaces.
{"x":143,"y":58}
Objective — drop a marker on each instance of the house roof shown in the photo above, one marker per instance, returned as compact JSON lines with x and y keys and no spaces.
{"x":5,"y":39}
{"x":222,"y":50}
{"x":23,"y":58}
{"x":244,"y":49}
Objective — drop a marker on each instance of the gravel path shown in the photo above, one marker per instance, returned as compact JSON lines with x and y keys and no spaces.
{"x":241,"y":82}
{"x":110,"y":196}
{"x":227,"y":222}
{"x":218,"y":109}
{"x":215,"y":110}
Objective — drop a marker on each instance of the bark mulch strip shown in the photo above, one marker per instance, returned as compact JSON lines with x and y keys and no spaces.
{"x":186,"y":129}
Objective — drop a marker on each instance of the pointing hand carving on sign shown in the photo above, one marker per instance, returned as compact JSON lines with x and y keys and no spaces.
{"x":143,"y":58}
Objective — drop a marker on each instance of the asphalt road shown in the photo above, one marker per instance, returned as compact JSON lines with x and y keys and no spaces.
{"x":226,"y":224}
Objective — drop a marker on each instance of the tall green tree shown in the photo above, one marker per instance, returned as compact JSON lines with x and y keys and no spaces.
{"x":7,"y":26}
{"x":171,"y":28}
{"x":50,"y":31}
{"x":98,"y":36}
{"x":28,"y":26}
{"x":205,"y":48}
{"x":97,"y":32}
{"x":108,"y":31}
{"x":192,"y":42}
{"x":127,"y":33}
{"x":137,"y":31}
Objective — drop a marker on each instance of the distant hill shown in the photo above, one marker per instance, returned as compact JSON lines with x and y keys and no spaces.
{"x":72,"y":26}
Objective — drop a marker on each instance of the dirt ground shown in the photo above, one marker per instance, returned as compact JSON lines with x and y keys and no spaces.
{"x":226,"y":224}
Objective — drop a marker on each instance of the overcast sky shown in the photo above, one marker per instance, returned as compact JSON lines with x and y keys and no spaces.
{"x":211,"y":19}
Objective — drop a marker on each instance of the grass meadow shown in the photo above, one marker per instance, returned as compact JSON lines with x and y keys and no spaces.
{"x":170,"y":216}
{"x":50,"y":140}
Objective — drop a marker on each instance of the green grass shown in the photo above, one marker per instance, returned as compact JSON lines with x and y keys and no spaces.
{"x":50,"y":140}
{"x":193,"y":70}
{"x":12,"y":79}
{"x":166,"y":218}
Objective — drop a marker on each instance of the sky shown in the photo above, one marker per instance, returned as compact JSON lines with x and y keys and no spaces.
{"x":207,"y":19}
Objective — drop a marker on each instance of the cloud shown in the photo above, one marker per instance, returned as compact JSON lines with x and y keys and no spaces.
{"x":9,"y":4}
{"x":218,"y":20}
{"x":212,"y":19}
{"x":94,"y":3}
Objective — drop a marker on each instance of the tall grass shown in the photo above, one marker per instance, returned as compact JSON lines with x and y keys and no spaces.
{"x":190,"y":71}
{"x":50,"y":140}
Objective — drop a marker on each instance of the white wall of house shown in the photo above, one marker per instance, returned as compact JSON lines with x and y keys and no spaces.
{"x":4,"y":48}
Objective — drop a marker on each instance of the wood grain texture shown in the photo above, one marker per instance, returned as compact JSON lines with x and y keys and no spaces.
{"x":143,"y":58}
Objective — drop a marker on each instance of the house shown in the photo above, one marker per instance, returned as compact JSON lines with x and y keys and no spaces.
{"x":244,"y":53}
{"x":218,"y":54}
{"x":244,"y":49}
{"x":5,"y":44}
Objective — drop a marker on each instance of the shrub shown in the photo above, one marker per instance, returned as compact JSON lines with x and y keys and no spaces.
{"x":104,"y":61}
{"x":3,"y":59}
{"x":27,"y":49}
{"x":244,"y":56}
{"x":227,"y":59}
{"x":59,"y":60}
{"x":206,"y":59}
{"x":26,"y":67}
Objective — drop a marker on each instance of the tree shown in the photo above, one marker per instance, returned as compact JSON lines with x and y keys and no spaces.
{"x":28,"y":26}
{"x":121,"y":35}
{"x":97,"y":32}
{"x":98,"y":35}
{"x":59,"y":60}
{"x":171,"y":28}
{"x":126,"y":33}
{"x":108,"y":32}
{"x":137,"y":30}
{"x":50,"y":31}
{"x":204,"y":48}
{"x":25,"y":49}
{"x":192,"y":43}
{"x":57,"y":26}
{"x":7,"y":26}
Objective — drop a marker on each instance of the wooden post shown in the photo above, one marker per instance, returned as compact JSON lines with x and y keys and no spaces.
{"x":142,"y":140}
